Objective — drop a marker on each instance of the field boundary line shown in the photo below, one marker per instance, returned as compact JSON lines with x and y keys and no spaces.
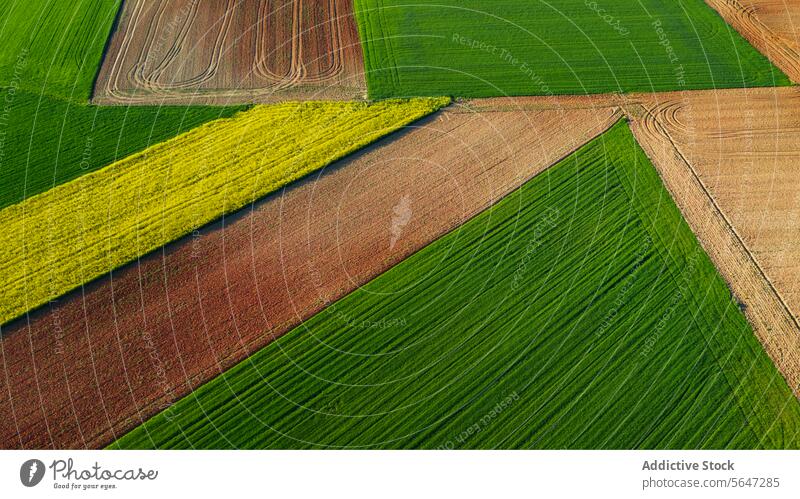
{"x":772,"y":321}
{"x":248,"y":348}
{"x":762,"y":37}
{"x":144,"y":30}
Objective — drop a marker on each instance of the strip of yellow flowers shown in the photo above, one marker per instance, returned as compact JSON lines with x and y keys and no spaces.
{"x":76,"y":232}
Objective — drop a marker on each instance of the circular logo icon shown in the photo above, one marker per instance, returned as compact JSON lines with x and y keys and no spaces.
{"x":31,"y":472}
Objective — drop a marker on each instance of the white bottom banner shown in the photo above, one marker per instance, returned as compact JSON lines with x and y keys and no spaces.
{"x":371,"y":474}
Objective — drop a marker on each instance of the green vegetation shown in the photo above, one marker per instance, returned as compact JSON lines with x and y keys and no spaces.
{"x":76,"y":232}
{"x":46,"y":141}
{"x":54,"y":47}
{"x":50,"y":52}
{"x":579,"y":312}
{"x":475,"y":48}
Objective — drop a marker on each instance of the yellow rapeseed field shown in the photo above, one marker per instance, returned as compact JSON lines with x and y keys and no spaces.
{"x":76,"y":232}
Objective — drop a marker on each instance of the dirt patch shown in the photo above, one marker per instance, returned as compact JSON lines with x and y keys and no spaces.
{"x":769,"y":25}
{"x":177,"y":51}
{"x":81,"y":372}
{"x":730,"y":160}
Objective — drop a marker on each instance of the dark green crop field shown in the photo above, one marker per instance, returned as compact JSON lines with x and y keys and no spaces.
{"x":50,"y":52}
{"x":579,"y":312}
{"x":46,"y":141}
{"x":474,"y":48}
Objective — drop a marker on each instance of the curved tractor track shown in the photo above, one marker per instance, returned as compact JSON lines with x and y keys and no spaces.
{"x":728,"y":159}
{"x":173,"y":51}
{"x":159,"y":76}
{"x":772,"y":26}
{"x":326,"y":66}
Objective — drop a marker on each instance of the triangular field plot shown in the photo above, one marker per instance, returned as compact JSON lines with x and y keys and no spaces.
{"x":578,"y":312}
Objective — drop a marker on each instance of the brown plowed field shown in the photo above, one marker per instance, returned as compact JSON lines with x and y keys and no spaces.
{"x":772,"y":26}
{"x":730,"y":160}
{"x":85,"y":370}
{"x":170,"y":51}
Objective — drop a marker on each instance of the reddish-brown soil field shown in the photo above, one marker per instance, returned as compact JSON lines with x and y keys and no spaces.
{"x":228,"y":51}
{"x":82,"y":371}
{"x":772,"y":26}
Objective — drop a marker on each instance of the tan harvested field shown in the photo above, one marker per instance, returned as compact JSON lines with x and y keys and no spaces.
{"x":174,"y":51}
{"x":730,"y":159}
{"x":92,"y":366}
{"x":772,"y":26}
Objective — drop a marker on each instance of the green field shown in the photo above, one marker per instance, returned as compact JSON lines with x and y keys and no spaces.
{"x":54,"y":47}
{"x":475,"y":48}
{"x":46,"y":141}
{"x":63,"y":238}
{"x":50,"y":52}
{"x":579,"y":312}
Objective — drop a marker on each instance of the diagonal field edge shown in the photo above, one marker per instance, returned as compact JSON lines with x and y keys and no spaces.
{"x":760,"y":35}
{"x":211,"y":299}
{"x":60,"y":239}
{"x":759,"y":389}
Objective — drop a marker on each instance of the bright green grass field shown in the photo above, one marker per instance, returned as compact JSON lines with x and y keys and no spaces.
{"x":475,"y":48}
{"x":50,"y":51}
{"x":53,"y":46}
{"x":579,"y":312}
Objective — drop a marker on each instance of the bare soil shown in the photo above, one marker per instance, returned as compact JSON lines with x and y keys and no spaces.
{"x":88,"y":368}
{"x":228,"y":51}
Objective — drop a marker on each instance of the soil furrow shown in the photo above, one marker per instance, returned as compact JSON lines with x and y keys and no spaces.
{"x":171,"y":51}
{"x":689,"y":140}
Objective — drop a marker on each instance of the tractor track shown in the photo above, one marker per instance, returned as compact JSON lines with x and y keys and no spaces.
{"x":776,"y":43}
{"x":171,"y":51}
